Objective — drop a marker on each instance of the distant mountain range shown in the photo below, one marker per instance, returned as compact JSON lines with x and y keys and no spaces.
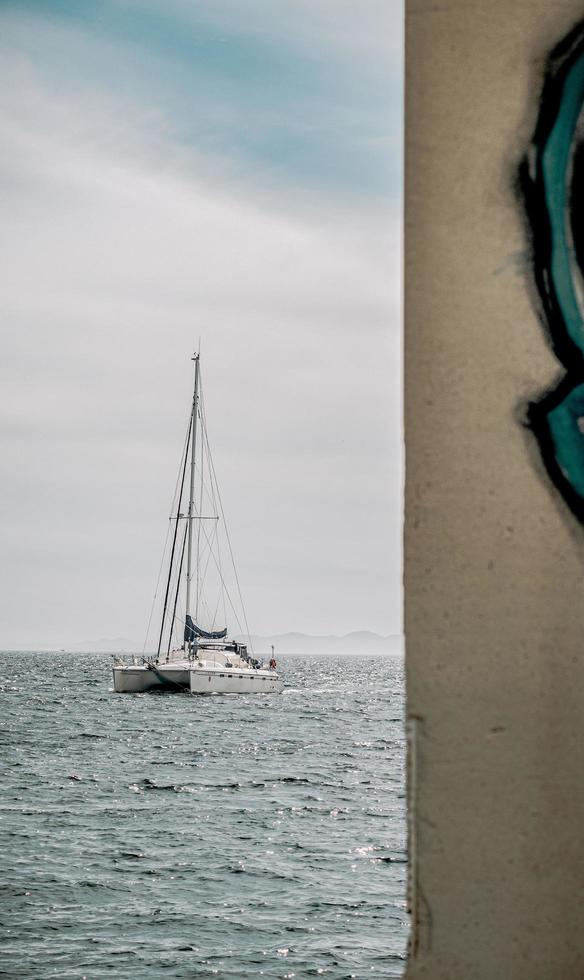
{"x":361,"y":641}
{"x":110,"y":644}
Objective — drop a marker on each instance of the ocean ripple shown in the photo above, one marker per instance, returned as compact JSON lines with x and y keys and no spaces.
{"x":231,"y":837}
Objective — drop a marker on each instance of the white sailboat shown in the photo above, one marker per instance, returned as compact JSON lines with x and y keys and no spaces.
{"x":202,"y":661}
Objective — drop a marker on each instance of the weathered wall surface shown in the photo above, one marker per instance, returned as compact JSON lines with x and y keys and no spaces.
{"x":494,"y":564}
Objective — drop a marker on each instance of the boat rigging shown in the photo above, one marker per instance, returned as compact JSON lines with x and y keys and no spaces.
{"x":202,"y":659}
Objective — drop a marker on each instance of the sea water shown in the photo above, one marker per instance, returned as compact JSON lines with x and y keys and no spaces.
{"x":165,"y":835}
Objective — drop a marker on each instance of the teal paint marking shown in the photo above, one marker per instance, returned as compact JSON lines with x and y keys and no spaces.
{"x":548,"y":176}
{"x":565,"y":423}
{"x":556,"y":159}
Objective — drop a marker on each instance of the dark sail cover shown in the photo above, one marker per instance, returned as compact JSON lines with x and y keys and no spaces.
{"x":192,"y":631}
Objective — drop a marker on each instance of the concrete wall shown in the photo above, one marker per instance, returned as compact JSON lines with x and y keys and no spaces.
{"x":494,"y":563}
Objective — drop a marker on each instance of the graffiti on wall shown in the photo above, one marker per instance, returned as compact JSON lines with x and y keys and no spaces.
{"x":552,"y":181}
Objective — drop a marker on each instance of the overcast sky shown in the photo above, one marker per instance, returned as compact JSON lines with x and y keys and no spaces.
{"x":222,"y":169}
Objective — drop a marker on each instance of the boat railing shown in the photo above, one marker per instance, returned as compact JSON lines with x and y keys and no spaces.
{"x":125,"y":660}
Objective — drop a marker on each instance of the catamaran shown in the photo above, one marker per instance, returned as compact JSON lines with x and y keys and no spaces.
{"x":188,"y":656}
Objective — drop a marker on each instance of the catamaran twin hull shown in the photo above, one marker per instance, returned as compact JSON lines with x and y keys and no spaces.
{"x":196,"y":679}
{"x":213,"y":680}
{"x":203,"y":661}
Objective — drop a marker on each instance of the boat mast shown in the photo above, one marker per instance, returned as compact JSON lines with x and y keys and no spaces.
{"x":190,"y":516}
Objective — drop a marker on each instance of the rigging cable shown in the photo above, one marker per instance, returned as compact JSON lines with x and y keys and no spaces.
{"x":212,"y":469}
{"x":209,"y":555}
{"x":182,"y":555}
{"x":198,"y":585}
{"x":225,"y":588}
{"x":215,"y":509}
{"x":174,"y":537}
{"x":209,"y":493}
{"x":186,"y":442}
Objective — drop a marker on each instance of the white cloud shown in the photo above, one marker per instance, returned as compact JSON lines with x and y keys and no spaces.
{"x":370,"y":27}
{"x":119,"y":249}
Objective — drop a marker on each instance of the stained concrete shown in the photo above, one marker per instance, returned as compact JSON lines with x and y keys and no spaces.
{"x":494,"y":562}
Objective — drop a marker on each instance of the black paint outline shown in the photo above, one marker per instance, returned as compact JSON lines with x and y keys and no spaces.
{"x":531,"y":188}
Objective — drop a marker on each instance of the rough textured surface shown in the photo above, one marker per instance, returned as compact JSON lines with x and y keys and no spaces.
{"x":494,"y":561}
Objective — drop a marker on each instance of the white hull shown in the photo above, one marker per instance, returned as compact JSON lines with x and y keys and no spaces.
{"x":235,"y":680}
{"x":136,"y":679}
{"x":206,"y":677}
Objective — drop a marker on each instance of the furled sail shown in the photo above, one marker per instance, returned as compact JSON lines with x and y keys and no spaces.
{"x":192,"y":631}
